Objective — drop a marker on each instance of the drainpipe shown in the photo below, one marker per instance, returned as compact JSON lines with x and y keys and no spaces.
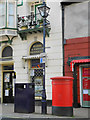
{"x":75,"y":93}
{"x":63,"y":36}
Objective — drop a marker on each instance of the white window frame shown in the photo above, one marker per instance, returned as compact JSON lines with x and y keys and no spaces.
{"x":15,"y":12}
{"x":4,"y":16}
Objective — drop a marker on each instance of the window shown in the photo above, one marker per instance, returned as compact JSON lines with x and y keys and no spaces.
{"x":38,"y":16}
{"x":34,"y":9}
{"x":2,"y":14}
{"x":7,"y":52}
{"x":8,"y":14}
{"x":8,"y":67}
{"x":11,"y":14}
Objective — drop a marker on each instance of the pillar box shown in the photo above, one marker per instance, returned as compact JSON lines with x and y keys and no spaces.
{"x":62,"y":96}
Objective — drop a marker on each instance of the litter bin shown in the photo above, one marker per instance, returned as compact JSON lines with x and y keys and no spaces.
{"x":24,"y":101}
{"x":62,"y":96}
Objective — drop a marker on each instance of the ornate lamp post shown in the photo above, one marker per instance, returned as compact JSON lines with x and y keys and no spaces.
{"x":44,"y":12}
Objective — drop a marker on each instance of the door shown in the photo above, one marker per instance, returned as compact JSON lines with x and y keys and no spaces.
{"x":36,"y":74}
{"x":8,"y":87}
{"x":85,"y":86}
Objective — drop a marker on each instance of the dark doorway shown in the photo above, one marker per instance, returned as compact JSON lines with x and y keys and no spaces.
{"x":8,"y":87}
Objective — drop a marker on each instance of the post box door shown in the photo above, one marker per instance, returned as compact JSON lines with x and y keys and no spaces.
{"x":85,"y":79}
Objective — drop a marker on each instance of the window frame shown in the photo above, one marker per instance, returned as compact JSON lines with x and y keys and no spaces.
{"x":14,"y":15}
{"x":6,"y":14}
{"x":3,"y":15}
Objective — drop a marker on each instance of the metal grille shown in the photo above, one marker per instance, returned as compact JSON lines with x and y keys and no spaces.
{"x":38,"y":72}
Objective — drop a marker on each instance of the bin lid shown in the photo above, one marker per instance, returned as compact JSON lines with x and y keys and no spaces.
{"x":62,"y":78}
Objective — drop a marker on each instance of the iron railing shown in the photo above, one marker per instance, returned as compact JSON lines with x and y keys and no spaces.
{"x":31,"y":21}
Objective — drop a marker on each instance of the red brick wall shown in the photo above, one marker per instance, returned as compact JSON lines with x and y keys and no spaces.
{"x":76,"y":47}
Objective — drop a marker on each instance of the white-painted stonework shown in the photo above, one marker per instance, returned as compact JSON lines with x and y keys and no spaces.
{"x":53,"y":48}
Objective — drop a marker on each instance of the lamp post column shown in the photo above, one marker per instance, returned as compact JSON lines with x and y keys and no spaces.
{"x":44,"y":10}
{"x":44,"y":104}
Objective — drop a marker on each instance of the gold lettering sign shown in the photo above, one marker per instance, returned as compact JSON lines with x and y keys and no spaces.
{"x":36,"y":48}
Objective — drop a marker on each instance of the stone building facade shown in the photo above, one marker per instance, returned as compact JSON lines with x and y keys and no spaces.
{"x":20,"y":50}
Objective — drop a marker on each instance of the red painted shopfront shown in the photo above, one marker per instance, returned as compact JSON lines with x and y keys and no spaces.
{"x":77,"y":65}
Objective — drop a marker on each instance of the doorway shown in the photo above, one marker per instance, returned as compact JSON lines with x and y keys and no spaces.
{"x":36,"y":68}
{"x":8,"y":75}
{"x":37,"y":77}
{"x":85,"y":86}
{"x":8,"y":87}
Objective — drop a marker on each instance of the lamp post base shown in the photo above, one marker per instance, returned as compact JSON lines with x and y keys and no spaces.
{"x":44,"y":107}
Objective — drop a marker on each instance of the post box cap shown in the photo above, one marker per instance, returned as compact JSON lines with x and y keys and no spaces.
{"x":62,"y":78}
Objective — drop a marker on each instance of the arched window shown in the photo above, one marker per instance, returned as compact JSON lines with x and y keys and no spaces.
{"x":7,"y":52}
{"x":36,"y":48}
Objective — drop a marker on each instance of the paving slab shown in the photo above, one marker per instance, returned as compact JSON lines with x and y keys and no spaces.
{"x":7,"y":111}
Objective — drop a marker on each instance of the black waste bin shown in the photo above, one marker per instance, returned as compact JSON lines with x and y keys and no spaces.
{"x":24,"y":101}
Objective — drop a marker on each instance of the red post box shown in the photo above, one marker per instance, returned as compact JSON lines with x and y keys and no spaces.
{"x":62,"y":96}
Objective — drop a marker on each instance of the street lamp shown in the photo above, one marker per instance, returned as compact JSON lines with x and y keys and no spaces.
{"x":44,"y":12}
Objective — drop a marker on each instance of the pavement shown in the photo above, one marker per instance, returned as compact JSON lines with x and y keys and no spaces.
{"x":7,"y":111}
